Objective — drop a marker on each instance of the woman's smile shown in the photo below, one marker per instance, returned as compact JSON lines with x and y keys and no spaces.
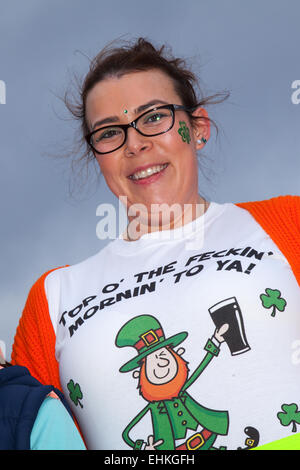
{"x":148,"y":174}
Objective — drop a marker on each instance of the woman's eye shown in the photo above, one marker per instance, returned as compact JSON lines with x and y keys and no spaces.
{"x":154,"y":118}
{"x":109,"y":134}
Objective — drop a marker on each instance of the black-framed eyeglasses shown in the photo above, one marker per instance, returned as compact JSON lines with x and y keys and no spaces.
{"x":154,"y":122}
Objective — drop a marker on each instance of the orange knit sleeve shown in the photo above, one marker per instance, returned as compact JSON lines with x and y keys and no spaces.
{"x":295,"y":211}
{"x":280,"y":218}
{"x":34,"y":342}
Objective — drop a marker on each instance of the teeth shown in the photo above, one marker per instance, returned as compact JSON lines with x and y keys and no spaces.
{"x":148,"y":172}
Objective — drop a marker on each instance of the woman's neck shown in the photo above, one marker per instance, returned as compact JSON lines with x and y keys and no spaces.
{"x":165,"y":220}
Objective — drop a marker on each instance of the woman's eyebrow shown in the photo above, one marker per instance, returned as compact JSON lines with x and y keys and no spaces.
{"x":140,"y":109}
{"x":143,"y":107}
{"x":108,"y":120}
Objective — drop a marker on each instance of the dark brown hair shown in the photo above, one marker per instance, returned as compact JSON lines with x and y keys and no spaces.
{"x":140,"y":55}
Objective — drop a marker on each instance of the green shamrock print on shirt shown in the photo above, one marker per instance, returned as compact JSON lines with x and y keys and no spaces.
{"x":75,"y":393}
{"x":290,"y":415}
{"x":273,"y":298}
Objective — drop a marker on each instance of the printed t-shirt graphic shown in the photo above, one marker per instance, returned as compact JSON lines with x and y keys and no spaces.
{"x":185,"y":289}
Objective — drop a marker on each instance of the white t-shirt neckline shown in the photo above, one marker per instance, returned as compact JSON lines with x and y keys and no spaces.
{"x":186,"y":232}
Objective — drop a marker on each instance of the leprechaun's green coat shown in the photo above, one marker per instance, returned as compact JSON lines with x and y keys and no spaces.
{"x":172,"y":418}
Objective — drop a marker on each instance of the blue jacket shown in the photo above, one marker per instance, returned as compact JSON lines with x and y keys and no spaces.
{"x":21,"y":396}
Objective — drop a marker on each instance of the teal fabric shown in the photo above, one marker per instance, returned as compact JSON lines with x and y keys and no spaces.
{"x":54,"y":428}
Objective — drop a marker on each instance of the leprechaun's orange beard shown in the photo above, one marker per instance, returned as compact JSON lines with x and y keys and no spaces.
{"x":157,"y":392}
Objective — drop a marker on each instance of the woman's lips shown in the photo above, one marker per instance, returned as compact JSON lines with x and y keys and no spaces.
{"x":149,"y":179}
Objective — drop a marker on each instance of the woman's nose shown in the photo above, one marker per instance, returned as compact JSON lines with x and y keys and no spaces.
{"x":136,"y":142}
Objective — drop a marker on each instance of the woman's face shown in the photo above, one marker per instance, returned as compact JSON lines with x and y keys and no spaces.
{"x":178,"y":182}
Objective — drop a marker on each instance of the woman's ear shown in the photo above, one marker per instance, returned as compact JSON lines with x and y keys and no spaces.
{"x":136,"y":374}
{"x":201,"y":127}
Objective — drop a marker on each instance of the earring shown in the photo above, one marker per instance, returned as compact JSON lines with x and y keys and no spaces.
{"x":199,"y":141}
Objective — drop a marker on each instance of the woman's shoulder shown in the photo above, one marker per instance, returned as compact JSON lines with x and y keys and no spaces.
{"x":36,"y":294}
{"x":280,"y":207}
{"x":55,"y":275}
{"x":280,"y":218}
{"x":287,"y":200}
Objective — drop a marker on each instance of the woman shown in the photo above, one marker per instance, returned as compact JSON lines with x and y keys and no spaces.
{"x":222,"y":280}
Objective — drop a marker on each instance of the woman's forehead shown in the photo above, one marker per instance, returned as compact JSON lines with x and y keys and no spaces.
{"x":131,"y":91}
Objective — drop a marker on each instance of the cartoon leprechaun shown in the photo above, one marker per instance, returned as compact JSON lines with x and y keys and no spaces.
{"x":163,"y":383}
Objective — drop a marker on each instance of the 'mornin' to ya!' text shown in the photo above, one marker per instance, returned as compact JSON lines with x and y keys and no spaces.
{"x":241,"y":261}
{"x":87,"y":308}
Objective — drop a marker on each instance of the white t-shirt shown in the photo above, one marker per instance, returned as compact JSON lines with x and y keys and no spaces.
{"x":120,"y":315}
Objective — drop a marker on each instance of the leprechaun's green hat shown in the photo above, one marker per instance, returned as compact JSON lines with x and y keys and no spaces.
{"x":145,"y":334}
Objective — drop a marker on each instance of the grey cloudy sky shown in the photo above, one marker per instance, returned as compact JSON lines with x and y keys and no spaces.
{"x":249,"y":48}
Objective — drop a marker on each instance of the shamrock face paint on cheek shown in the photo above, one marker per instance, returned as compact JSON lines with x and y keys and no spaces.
{"x":184,"y":132}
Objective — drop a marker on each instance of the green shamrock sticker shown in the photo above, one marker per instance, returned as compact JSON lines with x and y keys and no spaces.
{"x":273,"y":300}
{"x":75,"y":393}
{"x":184,"y":132}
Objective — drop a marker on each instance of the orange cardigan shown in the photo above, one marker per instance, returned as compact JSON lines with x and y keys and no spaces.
{"x":34,"y":345}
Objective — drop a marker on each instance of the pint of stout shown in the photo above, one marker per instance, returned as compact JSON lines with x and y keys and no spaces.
{"x":228,"y":311}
